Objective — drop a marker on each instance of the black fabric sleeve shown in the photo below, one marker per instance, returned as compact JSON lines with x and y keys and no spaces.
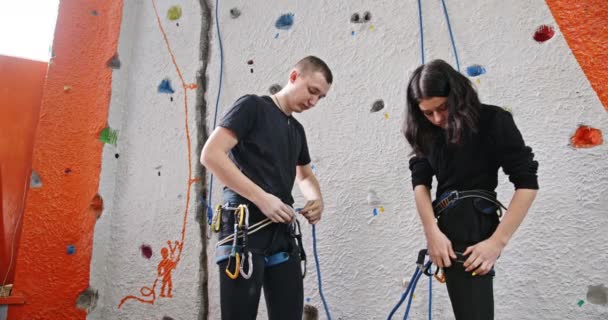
{"x":422,"y":172}
{"x":515,"y":158}
{"x":241,"y":117}
{"x":304,"y":156}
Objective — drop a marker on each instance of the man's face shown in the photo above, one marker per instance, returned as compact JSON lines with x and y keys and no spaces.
{"x":309,"y":88}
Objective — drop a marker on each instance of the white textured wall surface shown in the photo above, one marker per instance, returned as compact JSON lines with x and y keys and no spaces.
{"x":557,"y":253}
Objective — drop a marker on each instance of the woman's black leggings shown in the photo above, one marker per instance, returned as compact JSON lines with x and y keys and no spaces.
{"x":472,"y":297}
{"x":465,"y":223}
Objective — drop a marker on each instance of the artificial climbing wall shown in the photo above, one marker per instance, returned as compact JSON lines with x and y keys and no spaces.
{"x":183,"y":63}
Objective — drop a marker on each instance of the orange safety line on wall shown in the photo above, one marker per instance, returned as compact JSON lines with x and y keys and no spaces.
{"x":169,"y":261}
{"x":585,"y":28}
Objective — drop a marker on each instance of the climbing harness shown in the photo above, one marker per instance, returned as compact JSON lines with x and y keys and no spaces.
{"x":448,"y":199}
{"x":239,"y":252}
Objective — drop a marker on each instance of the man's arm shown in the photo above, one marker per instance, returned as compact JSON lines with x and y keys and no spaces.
{"x":309,"y":186}
{"x":215,"y":158}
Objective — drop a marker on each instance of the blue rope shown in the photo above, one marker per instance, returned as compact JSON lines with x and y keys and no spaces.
{"x":421,"y":31}
{"x":447,"y":18}
{"x":217,"y":103}
{"x":409,"y":301}
{"x":314,"y":248}
{"x":404,"y":294}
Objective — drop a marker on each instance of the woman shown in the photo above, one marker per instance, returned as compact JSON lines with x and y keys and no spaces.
{"x":463,"y":143}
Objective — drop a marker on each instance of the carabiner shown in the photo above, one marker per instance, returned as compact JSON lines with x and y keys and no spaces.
{"x":217,"y":219}
{"x":235,"y":274}
{"x":440,"y":275}
{"x":248,"y":274}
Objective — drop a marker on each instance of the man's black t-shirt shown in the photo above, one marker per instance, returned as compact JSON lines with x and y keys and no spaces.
{"x":270,"y":146}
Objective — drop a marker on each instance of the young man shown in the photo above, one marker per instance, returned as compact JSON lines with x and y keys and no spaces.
{"x":257,"y":151}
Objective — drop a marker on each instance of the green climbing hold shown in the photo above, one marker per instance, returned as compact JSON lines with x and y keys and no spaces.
{"x":580,"y":303}
{"x":174,"y":13}
{"x":109,"y":136}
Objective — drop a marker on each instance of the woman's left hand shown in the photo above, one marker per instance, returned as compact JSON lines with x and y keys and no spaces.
{"x":482,"y":256}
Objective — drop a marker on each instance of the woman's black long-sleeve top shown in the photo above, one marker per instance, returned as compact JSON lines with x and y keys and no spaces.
{"x":474,"y":163}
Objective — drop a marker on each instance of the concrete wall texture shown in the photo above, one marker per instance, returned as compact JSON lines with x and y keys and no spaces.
{"x":536,"y":63}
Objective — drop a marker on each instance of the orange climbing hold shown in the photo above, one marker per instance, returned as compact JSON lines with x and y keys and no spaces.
{"x":586,"y":137}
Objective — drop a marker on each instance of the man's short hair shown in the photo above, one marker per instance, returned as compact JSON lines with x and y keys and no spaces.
{"x":312,"y":63}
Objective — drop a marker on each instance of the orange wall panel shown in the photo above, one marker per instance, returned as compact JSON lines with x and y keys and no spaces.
{"x":21,"y":83}
{"x":67,"y":157}
{"x":584,"y":25}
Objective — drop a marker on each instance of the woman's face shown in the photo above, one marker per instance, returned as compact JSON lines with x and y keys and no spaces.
{"x":435,"y":109}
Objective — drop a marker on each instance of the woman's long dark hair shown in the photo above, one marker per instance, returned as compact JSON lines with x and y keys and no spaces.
{"x":438,"y":79}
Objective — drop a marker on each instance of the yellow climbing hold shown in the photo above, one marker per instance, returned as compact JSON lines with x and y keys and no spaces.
{"x":478,"y":81}
{"x":386,"y":115}
{"x":371,"y":27}
{"x":174,"y":13}
{"x":381,"y":209}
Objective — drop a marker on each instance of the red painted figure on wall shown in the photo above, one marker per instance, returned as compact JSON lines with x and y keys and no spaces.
{"x":166,"y":266}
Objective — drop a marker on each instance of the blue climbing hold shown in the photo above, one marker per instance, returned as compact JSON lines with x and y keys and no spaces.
{"x":165,"y":87}
{"x":475,"y":70}
{"x":71,"y":249}
{"x":285,"y":21}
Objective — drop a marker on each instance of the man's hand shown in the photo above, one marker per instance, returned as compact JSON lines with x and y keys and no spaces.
{"x":275,"y":209}
{"x":313,"y":210}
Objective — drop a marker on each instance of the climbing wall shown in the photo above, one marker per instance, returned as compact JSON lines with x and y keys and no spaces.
{"x":183,"y":64}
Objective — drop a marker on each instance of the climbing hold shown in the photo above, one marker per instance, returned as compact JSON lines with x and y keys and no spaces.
{"x":475,"y":70}
{"x":543,"y":33}
{"x":114,"y":62}
{"x":109,"y":136}
{"x":597,"y":294}
{"x":310,"y":313}
{"x":275,"y":88}
{"x":96,"y":205}
{"x":35,"y":181}
{"x":67,"y":88}
{"x":372,"y":198}
{"x":235,"y":13}
{"x":354,"y":18}
{"x":87,"y":300}
{"x":586,"y":137}
{"x":580,"y":303}
{"x":367,"y":16}
{"x":174,"y":13}
{"x":146,"y":251}
{"x":71,"y":249}
{"x":165,"y":86}
{"x":377,"y":106}
{"x":285,"y":21}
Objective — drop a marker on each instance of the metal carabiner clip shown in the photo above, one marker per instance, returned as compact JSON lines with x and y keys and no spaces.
{"x":234,"y":253}
{"x":217,"y":219}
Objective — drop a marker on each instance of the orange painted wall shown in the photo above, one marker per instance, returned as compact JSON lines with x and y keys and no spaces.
{"x":67,"y":156}
{"x":21,"y":83}
{"x":584,"y":24}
